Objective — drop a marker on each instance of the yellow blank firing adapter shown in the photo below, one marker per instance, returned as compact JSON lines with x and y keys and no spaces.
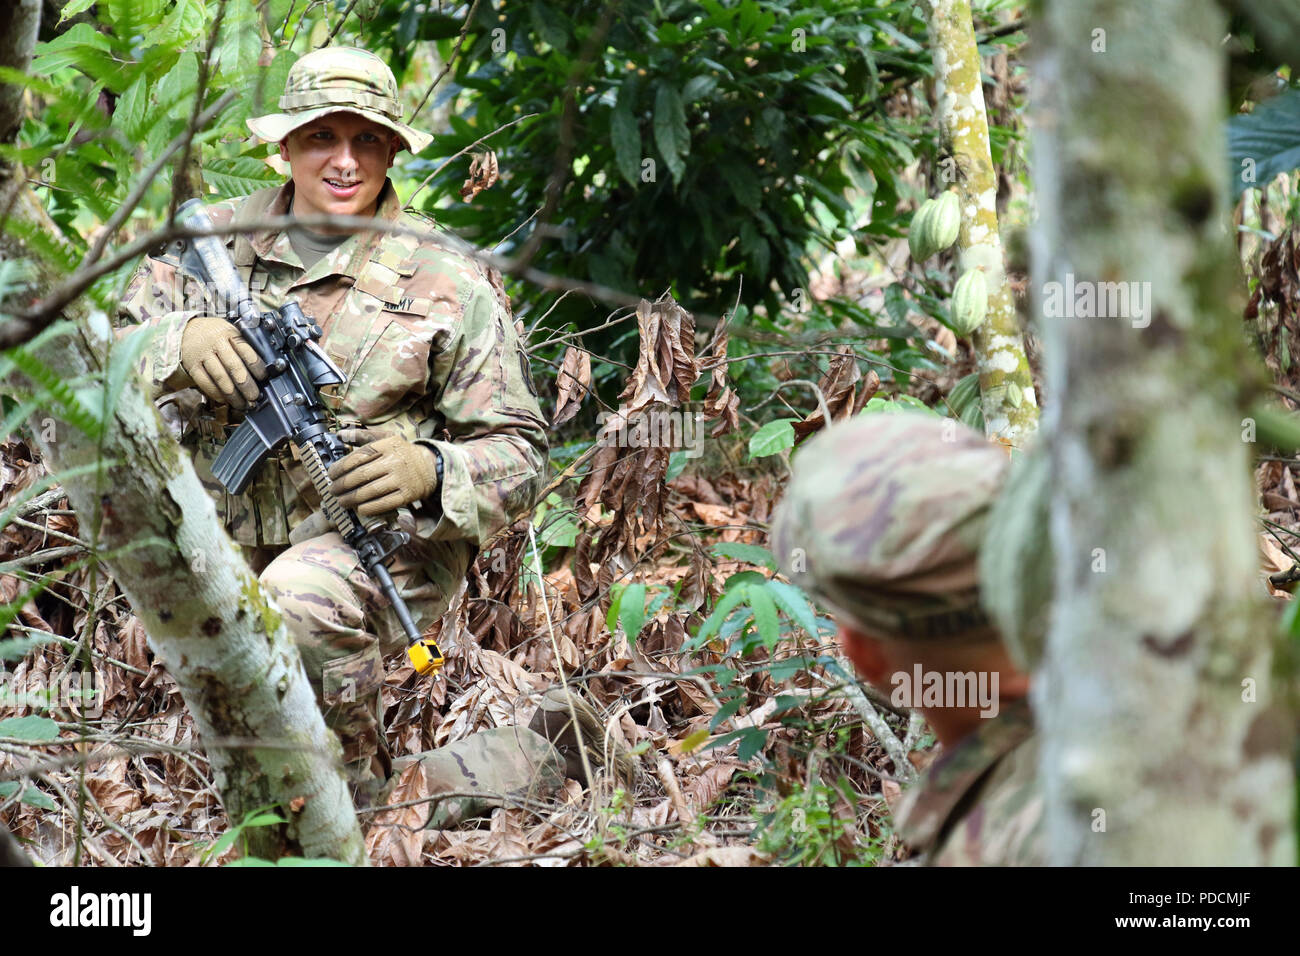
{"x":425,"y":656}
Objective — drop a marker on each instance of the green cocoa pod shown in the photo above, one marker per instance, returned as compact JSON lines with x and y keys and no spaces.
{"x":919,"y":234}
{"x":970,"y":302}
{"x":945,"y":223}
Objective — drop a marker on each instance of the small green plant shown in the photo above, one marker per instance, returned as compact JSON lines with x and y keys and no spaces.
{"x":802,"y":829}
{"x":261,"y":817}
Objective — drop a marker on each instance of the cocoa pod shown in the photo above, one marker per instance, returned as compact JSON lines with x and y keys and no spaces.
{"x":970,"y":302}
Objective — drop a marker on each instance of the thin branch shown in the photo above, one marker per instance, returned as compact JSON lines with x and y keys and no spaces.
{"x":460,"y":40}
{"x":339,"y":26}
{"x":443,"y":165}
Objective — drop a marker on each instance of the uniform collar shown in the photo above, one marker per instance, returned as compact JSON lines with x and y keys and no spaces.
{"x":926,"y":810}
{"x":351,"y":255}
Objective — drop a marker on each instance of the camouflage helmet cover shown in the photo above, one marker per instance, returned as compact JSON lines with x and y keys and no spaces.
{"x":882,"y":520}
{"x":335,"y":79}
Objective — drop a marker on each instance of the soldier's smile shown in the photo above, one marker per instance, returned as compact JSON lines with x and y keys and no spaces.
{"x":342,"y":190}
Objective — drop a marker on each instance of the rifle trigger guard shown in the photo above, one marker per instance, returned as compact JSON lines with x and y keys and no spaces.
{"x":390,"y":541}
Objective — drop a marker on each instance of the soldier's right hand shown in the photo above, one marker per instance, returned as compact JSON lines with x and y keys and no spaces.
{"x":220,"y":363}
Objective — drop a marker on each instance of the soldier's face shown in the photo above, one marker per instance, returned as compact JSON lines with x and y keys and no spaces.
{"x":339,"y":163}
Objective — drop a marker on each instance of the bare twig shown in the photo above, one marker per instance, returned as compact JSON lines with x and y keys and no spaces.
{"x":460,"y":40}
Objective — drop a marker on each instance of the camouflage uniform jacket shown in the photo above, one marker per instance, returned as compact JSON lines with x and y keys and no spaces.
{"x":424,"y":335}
{"x":979,"y":804}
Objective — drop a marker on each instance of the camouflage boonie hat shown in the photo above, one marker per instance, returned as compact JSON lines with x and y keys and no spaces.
{"x":338,"y":79}
{"x":882,"y":520}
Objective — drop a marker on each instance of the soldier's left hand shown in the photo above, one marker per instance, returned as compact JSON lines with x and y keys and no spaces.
{"x":384,"y":475}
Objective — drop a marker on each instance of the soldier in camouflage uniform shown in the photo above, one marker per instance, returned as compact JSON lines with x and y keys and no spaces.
{"x":438,"y":399}
{"x":882,"y":520}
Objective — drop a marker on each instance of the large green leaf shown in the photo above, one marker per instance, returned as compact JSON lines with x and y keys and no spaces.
{"x":239,"y":176}
{"x":1266,"y":143}
{"x":739,"y":551}
{"x":625,"y":131}
{"x":671,"y":134}
{"x":631,"y":611}
{"x":772,"y":438}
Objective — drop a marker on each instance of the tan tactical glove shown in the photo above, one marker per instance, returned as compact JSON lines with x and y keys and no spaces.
{"x":219,"y":362}
{"x":384,"y":475}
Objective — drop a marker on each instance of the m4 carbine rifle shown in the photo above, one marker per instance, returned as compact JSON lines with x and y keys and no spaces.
{"x":289,"y":409}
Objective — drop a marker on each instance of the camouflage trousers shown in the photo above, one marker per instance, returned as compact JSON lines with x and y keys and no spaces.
{"x":344,"y":627}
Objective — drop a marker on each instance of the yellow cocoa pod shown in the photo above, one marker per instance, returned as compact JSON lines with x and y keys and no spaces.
{"x":970,"y":302}
{"x":945,"y":223}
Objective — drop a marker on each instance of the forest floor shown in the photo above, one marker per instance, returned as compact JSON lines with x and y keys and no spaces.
{"x":747,"y":752}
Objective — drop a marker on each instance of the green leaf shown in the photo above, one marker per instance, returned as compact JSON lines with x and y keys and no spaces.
{"x":752,"y":741}
{"x":772,"y":438}
{"x":242,"y":861}
{"x":182,"y":24}
{"x":16,"y":648}
{"x":550,"y":24}
{"x":264,"y":820}
{"x":31,"y":796}
{"x":671,"y":135}
{"x":631,"y":613}
{"x":32,"y":728}
{"x":725,"y":605}
{"x":36,"y":798}
{"x":745,"y":577}
{"x":831,"y":95}
{"x":1266,"y":143}
{"x":795,"y":604}
{"x":240,"y":43}
{"x":625,"y":131}
{"x":676,"y":465}
{"x":751,"y":553}
{"x":122,"y":361}
{"x":175,"y":92}
{"x":699,"y":87}
{"x":743,"y":183}
{"x":132,"y":110}
{"x":74,"y":7}
{"x":769,"y":628}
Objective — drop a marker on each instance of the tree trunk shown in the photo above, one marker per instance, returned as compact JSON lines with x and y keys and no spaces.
{"x":1006,"y":386}
{"x":1164,"y":742}
{"x":206,"y":616}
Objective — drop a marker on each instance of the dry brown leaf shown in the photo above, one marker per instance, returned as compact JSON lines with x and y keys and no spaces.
{"x":483,"y":173}
{"x":572,"y":384}
{"x":397,"y":836}
{"x":711,"y":783}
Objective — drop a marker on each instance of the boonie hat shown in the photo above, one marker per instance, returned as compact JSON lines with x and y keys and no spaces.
{"x":338,"y":79}
{"x":882,"y":520}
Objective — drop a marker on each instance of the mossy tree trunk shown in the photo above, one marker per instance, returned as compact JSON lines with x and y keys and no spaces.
{"x":1164,"y":742}
{"x":205,"y":614}
{"x":1006,"y":386}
